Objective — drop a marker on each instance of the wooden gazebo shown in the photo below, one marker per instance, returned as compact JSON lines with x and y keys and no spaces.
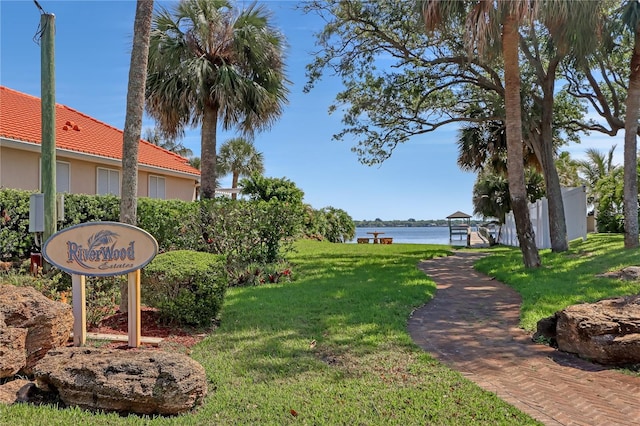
{"x":459,"y":224}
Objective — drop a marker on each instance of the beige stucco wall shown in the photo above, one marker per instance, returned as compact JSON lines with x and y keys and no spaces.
{"x":83,"y":175}
{"x":21,"y":170}
{"x":181,"y":189}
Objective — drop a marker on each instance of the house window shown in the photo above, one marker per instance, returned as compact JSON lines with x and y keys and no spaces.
{"x":63,"y":176}
{"x":108,"y":182}
{"x":156,"y":187}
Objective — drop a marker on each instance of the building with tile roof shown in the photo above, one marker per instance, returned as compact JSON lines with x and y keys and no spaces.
{"x":88,"y":154}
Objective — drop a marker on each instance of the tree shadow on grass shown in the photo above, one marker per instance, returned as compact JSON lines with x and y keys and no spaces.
{"x":343,"y":305}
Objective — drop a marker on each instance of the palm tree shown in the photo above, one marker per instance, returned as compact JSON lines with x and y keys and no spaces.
{"x":135,"y":110}
{"x":631,"y":19}
{"x":491,"y":195}
{"x":194,"y":162}
{"x":568,"y":170}
{"x":156,"y":137}
{"x":491,"y":192}
{"x":211,"y":62}
{"x":489,"y":24}
{"x":133,"y":120}
{"x":239,"y":157}
{"x":593,"y":169}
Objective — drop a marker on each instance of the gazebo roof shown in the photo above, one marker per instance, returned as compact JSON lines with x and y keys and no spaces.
{"x":459,"y":215}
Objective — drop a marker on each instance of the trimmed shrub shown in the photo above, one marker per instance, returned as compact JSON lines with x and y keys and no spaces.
{"x":81,"y":208}
{"x":187,"y":287}
{"x":246,"y":231}
{"x":15,"y":239}
{"x":175,"y":224}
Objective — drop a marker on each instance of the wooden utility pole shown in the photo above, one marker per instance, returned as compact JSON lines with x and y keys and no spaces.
{"x":48,"y":111}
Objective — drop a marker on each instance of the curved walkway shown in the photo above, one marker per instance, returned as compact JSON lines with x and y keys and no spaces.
{"x":472,"y":326}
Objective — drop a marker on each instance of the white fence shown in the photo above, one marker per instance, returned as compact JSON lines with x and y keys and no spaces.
{"x":575,"y":212}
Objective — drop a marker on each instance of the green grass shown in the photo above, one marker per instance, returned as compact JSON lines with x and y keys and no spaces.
{"x":564,"y":278}
{"x":332,"y":346}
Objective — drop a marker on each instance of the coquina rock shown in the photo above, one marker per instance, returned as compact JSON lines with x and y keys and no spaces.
{"x":607,"y":332}
{"x":13,"y":355}
{"x":32,"y":322}
{"x":137,"y":381}
{"x":10,"y":392}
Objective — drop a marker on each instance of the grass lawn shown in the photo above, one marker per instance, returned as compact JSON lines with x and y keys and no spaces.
{"x":564,"y":278}
{"x":330,"y":348}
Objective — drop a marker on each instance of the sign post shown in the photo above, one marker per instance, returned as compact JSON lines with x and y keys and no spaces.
{"x":134,"y":308}
{"x":79,"y":297}
{"x":102,"y":249}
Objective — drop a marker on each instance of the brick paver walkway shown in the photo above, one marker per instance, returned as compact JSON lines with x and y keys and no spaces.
{"x":472,"y":326}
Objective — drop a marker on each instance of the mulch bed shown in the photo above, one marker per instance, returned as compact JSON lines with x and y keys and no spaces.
{"x":174,"y":337}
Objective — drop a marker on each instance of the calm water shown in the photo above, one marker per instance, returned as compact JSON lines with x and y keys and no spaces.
{"x":426,"y":235}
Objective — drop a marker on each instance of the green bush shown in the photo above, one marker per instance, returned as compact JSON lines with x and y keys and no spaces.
{"x":82,"y":208}
{"x":251,"y":231}
{"x":174,"y":224}
{"x":339,"y":226}
{"x":187,"y":287}
{"x":15,"y":239}
{"x":246,"y":231}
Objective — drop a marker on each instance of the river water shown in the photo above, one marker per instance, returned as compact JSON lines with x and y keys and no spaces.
{"x":417,"y":235}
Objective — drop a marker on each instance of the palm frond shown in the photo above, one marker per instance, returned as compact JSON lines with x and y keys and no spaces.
{"x":101,"y":238}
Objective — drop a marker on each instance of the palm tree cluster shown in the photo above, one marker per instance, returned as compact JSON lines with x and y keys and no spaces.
{"x":211,"y":64}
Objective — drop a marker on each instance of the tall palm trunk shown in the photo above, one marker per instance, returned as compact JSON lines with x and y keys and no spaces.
{"x":630,"y":149}
{"x":133,"y":121}
{"x":515,"y":164}
{"x":234,"y":184}
{"x":208,"y":151}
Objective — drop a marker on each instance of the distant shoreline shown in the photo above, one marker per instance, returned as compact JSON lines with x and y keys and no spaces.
{"x":410,"y":223}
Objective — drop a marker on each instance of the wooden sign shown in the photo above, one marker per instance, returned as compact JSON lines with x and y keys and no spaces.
{"x":102,"y":249}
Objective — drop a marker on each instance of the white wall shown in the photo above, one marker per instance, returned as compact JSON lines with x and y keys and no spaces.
{"x":575,"y":211}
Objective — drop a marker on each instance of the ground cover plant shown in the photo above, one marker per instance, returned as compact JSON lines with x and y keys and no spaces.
{"x":564,"y":278}
{"x":329,"y":348}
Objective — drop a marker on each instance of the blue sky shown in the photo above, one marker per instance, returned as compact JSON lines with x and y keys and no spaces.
{"x":93,"y":44}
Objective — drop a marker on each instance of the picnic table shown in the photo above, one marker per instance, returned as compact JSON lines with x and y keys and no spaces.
{"x":375,"y":236}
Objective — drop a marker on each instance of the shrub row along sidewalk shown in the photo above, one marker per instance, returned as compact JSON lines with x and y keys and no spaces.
{"x":472,"y":326}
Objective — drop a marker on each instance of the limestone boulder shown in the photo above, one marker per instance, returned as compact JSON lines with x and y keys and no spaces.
{"x":13,"y":391}
{"x":140,"y":381}
{"x":630,"y":273}
{"x":48,"y":323}
{"x":607,"y":332}
{"x":13,"y":355}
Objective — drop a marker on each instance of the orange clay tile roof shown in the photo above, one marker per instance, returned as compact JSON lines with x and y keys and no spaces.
{"x":75,"y":131}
